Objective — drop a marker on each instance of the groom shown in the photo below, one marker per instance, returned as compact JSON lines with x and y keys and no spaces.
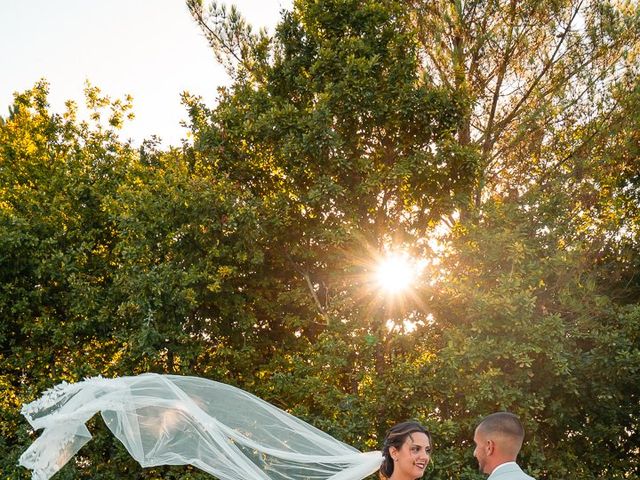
{"x":498,"y":440}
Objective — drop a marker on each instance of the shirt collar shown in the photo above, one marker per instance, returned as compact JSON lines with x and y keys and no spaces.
{"x":502,"y":465}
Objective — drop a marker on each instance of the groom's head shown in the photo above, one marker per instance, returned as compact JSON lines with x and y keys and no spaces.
{"x":498,"y":439}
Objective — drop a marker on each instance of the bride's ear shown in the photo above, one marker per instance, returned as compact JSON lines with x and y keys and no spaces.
{"x":393,"y":453}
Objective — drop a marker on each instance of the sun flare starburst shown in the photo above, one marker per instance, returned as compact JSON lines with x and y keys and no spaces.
{"x":395,"y":273}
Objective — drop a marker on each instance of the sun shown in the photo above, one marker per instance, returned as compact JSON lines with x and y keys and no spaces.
{"x":395,"y":273}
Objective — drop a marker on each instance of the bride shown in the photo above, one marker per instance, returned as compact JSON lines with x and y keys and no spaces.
{"x":224,"y":431}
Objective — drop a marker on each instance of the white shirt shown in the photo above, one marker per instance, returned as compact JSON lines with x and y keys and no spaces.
{"x":502,"y":465}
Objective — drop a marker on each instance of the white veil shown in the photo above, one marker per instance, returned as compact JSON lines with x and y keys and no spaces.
{"x":177,"y":420}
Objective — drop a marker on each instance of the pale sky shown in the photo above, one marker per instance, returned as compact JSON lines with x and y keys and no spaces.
{"x":151,"y":49}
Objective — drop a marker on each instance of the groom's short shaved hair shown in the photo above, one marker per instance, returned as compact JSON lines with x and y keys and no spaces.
{"x":505,"y":425}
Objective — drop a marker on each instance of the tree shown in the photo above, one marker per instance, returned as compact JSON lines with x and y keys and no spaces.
{"x":114,"y":262}
{"x":56,"y":245}
{"x":554,"y":88}
{"x":532,"y":69}
{"x":332,"y":121}
{"x":542,"y":103}
{"x":246,"y":256}
{"x":526,"y":323}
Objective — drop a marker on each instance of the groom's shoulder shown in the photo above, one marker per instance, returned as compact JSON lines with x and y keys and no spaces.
{"x":511,"y":472}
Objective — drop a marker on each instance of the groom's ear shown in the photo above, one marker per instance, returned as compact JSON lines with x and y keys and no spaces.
{"x":490,"y":446}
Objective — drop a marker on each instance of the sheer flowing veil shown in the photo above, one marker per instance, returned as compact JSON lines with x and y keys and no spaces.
{"x":178,"y":420}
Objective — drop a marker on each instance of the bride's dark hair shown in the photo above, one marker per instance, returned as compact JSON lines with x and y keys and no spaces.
{"x":396,"y":437}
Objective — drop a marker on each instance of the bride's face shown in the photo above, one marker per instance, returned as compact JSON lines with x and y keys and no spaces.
{"x":410,"y":460}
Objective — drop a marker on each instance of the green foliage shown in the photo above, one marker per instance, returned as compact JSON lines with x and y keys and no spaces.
{"x":528,"y":325}
{"x":354,"y":149}
{"x":246,"y":255}
{"x":535,"y":70}
{"x":113,"y":263}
